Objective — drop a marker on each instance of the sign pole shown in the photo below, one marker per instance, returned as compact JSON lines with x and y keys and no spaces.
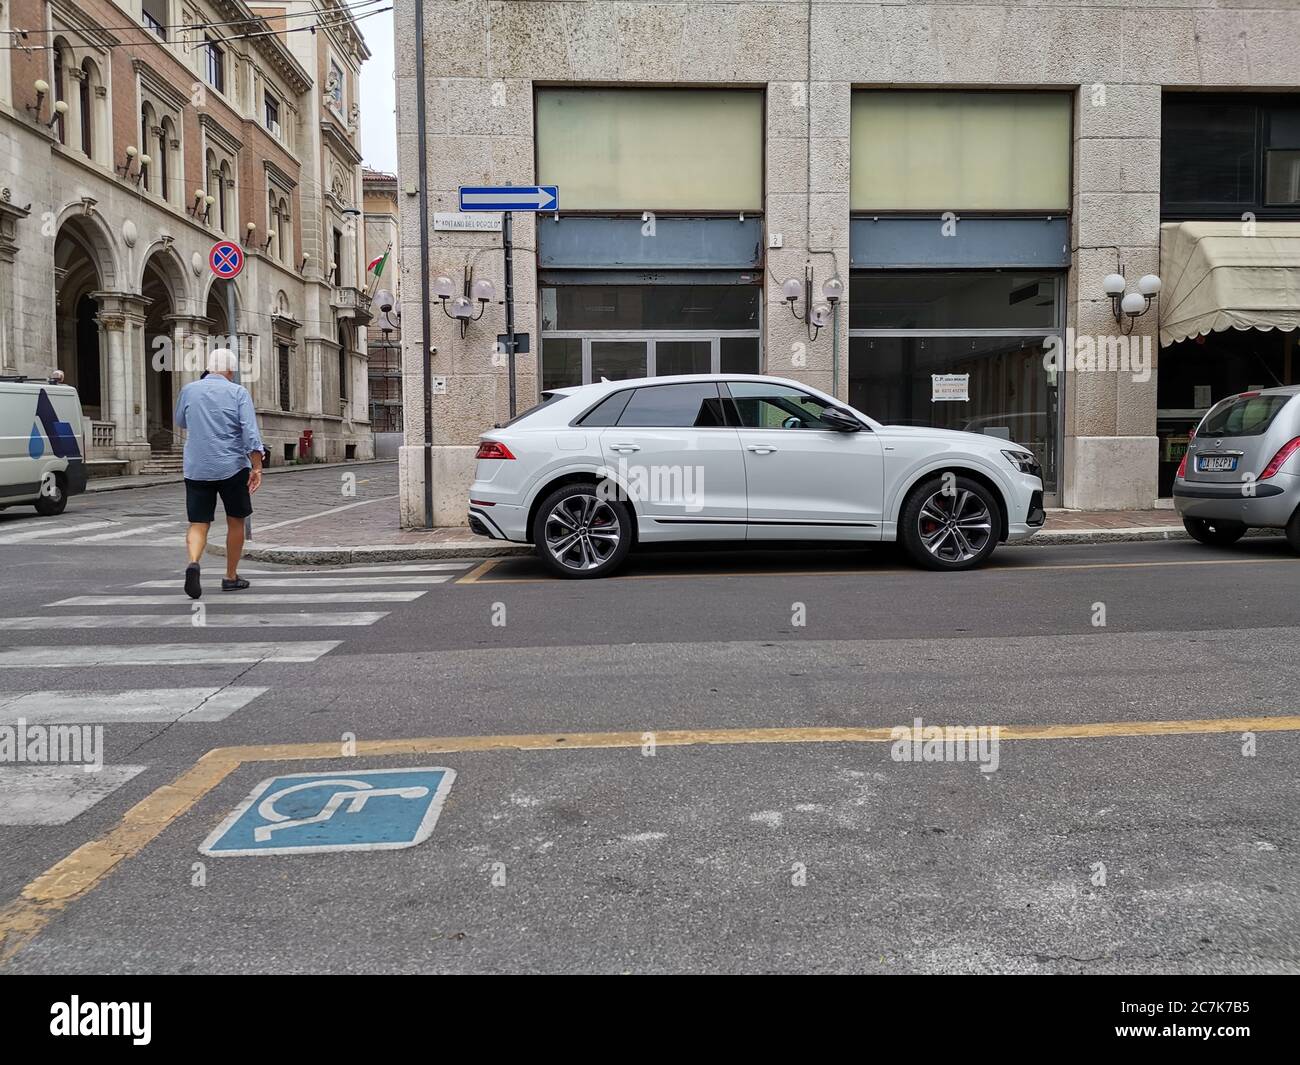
{"x":510,"y":305}
{"x":234,"y":346}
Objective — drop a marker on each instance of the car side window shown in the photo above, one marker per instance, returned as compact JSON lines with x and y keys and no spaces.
{"x":674,"y":406}
{"x":764,"y":406}
{"x":606,"y":412}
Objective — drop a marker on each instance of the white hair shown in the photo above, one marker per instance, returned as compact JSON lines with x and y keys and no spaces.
{"x":223,"y":360}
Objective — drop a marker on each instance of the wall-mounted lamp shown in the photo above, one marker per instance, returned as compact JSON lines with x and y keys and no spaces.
{"x":302,"y":266}
{"x":1132,"y":304}
{"x":270,"y":238}
{"x":462,"y":307}
{"x":42,"y":88}
{"x":60,"y":109}
{"x":817,"y":316}
{"x":249,"y":230}
{"x":124,"y":169}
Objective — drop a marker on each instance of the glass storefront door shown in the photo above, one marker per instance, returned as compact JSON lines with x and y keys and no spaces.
{"x":987,"y":328}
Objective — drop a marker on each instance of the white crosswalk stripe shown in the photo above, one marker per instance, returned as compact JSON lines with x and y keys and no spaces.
{"x":147,"y":705}
{"x":211,"y":620}
{"x":164,"y":654}
{"x":120,"y":534}
{"x":55,"y":794}
{"x":321,"y":582}
{"x":239,"y":598}
{"x":51,"y":529}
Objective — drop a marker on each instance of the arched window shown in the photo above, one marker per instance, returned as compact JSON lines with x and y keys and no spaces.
{"x":166,"y":134}
{"x":284,"y":234}
{"x":147,"y":122}
{"x":60,"y":85}
{"x":87,"y":97}
{"x":223,"y":196}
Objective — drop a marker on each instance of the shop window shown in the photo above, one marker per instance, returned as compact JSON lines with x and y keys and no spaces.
{"x":953,"y":300}
{"x":952,"y":151}
{"x":561,"y":362}
{"x":652,"y":149}
{"x":618,"y":360}
{"x":1222,"y":157}
{"x":739,"y":355}
{"x":678,"y":307}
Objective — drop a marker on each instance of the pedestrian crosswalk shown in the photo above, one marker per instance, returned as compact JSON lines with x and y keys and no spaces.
{"x":43,"y":792}
{"x":62,"y":531}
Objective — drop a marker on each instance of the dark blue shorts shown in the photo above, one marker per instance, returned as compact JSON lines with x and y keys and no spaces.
{"x":201,"y":498}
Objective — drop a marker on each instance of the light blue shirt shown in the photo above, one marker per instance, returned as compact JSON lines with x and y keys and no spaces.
{"x":222,"y":427}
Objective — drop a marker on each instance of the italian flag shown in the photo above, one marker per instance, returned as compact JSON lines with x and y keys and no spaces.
{"x":376,"y":266}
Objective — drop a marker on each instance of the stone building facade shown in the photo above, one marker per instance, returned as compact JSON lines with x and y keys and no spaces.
{"x":133,"y":136}
{"x":968,"y":230}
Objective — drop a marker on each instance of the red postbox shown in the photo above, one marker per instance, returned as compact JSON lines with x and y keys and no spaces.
{"x":304,"y":444}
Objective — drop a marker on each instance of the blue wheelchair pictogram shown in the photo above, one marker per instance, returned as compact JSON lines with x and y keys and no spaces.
{"x":313,"y":813}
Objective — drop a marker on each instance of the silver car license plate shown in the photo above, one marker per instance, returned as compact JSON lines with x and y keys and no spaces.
{"x":1216,"y":463}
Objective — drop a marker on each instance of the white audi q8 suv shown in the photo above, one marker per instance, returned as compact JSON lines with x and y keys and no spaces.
{"x":596,"y":469}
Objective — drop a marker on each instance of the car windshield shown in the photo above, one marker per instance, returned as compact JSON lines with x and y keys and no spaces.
{"x":1243,"y":416}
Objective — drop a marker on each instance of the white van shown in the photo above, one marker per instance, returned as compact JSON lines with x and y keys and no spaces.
{"x":42,"y":445}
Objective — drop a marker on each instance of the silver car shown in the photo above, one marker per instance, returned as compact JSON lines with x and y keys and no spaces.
{"x":1242,"y":468}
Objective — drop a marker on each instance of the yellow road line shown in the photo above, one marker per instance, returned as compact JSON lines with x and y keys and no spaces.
{"x":475,"y":576}
{"x":83,"y":869}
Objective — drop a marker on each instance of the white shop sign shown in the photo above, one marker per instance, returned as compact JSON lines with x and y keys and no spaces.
{"x":950,"y":388}
{"x":453,"y":221}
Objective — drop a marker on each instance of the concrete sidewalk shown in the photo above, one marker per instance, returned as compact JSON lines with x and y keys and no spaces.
{"x":119,"y":484}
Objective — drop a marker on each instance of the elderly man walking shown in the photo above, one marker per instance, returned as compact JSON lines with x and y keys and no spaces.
{"x":223,"y":457}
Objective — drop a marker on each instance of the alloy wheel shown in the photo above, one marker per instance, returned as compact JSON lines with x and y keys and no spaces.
{"x":955,"y":528}
{"x":582,"y":532}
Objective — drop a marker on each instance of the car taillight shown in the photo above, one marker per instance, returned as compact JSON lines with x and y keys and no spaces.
{"x":1182,"y":463}
{"x":1279,"y":460}
{"x":493,"y":449}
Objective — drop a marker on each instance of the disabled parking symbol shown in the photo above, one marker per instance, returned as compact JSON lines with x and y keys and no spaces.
{"x":315,"y":813}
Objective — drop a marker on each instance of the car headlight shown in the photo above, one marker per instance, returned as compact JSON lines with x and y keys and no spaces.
{"x":1025,"y":462}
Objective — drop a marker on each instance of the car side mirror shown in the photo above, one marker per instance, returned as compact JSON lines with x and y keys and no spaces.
{"x":840,"y":421}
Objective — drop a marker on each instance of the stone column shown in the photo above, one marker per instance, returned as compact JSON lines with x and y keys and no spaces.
{"x":10,"y":216}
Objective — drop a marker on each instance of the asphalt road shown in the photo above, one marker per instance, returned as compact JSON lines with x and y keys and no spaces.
{"x":744,"y":851}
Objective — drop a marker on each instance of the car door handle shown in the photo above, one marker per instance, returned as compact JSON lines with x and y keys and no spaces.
{"x":761,"y":449}
{"x":625,"y":447}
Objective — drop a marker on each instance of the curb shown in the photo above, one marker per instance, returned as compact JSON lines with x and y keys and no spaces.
{"x":270,"y":471}
{"x":473,"y":549}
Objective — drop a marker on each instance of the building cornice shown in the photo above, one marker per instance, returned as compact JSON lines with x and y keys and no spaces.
{"x":159,"y":86}
{"x":218,"y":133}
{"x":341,"y":145}
{"x":279,"y":176}
{"x":72,"y":16}
{"x":268,"y":45}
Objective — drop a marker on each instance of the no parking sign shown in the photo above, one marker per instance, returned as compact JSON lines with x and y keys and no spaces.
{"x":226,"y":259}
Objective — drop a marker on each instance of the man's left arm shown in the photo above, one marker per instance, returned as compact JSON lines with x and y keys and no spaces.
{"x":252,"y":439}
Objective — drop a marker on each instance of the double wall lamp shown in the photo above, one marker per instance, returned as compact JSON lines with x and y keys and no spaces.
{"x":124,"y":169}
{"x":202,"y":204}
{"x":1131,"y":304}
{"x":58,"y":109}
{"x":817,"y":316}
{"x":462,"y":307}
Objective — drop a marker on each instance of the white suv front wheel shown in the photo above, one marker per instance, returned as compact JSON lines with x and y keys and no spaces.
{"x":950,"y":523}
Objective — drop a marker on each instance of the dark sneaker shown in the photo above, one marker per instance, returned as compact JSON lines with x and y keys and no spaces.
{"x":227,"y":585}
{"x":192,"y":587}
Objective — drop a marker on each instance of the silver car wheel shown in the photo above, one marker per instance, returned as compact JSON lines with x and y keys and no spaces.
{"x":955,"y":528}
{"x":582,"y":532}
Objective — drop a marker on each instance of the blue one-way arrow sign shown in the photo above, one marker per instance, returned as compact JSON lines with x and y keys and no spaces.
{"x":509,"y":197}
